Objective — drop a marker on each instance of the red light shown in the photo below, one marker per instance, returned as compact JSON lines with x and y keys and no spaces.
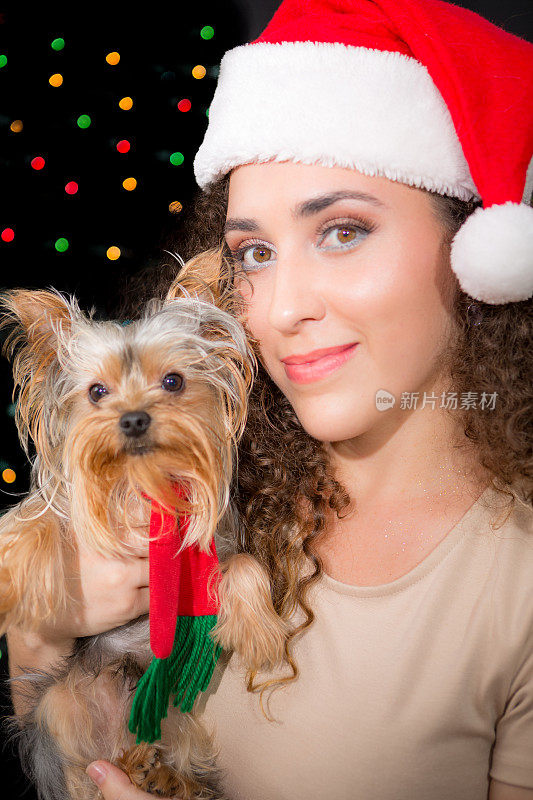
{"x":8,"y":234}
{"x":184,"y":105}
{"x":38,"y":162}
{"x":123,"y":146}
{"x":71,"y":187}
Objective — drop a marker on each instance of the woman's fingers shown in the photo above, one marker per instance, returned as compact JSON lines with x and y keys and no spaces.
{"x":114,"y":784}
{"x":142,"y":602}
{"x":143,"y":567}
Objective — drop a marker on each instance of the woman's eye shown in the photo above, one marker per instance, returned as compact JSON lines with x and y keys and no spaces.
{"x":253,"y":255}
{"x":97,"y":391}
{"x":341,"y":234}
{"x":172,"y":382}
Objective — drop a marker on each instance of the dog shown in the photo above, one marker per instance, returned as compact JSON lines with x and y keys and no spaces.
{"x":117,"y":413}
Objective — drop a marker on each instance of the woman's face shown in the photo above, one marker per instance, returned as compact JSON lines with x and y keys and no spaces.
{"x":326,"y":272}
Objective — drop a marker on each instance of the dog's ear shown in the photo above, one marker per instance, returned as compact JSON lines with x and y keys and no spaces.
{"x":198,"y":277}
{"x":39,"y":324}
{"x":37,"y":316}
{"x":208,"y":276}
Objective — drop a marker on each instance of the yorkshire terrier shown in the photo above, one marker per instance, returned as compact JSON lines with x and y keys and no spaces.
{"x":116,"y":413}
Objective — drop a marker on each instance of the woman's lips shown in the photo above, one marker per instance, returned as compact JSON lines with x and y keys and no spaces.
{"x":314,"y":370}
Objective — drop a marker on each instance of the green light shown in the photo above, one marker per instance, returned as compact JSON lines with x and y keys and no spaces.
{"x":3,"y":61}
{"x":58,"y":44}
{"x":61,"y":245}
{"x":11,"y":409}
{"x":177,"y":159}
{"x":84,"y":121}
{"x":207,"y":112}
{"x":207,"y":32}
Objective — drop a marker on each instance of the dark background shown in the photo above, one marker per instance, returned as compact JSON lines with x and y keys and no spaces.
{"x":158,"y":48}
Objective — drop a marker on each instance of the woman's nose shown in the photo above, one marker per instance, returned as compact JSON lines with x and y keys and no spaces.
{"x":295,"y":294}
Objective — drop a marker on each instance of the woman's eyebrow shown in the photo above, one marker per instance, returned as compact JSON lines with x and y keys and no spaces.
{"x":307,"y":207}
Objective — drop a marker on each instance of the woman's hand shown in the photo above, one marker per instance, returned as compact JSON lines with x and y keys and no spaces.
{"x":114,"y":783}
{"x":108,"y":592}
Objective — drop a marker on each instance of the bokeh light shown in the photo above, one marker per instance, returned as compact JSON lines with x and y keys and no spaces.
{"x":198,"y":71}
{"x":113,"y":253}
{"x":49,"y":122}
{"x":3,"y":61}
{"x":61,"y":245}
{"x":9,"y":475}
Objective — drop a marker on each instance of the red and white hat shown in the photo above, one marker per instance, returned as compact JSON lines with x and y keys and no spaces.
{"x":420,"y":91}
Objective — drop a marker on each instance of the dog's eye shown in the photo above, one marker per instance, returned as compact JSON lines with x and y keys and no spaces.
{"x":172,"y":382}
{"x":97,"y":391}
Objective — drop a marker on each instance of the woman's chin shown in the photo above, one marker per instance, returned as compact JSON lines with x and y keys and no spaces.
{"x":330,"y":426}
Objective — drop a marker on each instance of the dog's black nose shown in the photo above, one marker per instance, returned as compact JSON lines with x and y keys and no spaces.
{"x":134,"y":423}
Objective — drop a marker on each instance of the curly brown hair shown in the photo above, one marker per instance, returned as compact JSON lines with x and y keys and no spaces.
{"x":285,"y":480}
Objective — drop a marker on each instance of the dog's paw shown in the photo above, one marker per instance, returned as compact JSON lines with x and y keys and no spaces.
{"x":247,"y":622}
{"x":145,"y":766}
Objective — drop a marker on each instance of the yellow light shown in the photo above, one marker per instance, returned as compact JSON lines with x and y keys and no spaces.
{"x":175,"y":207}
{"x":126,"y":103}
{"x":198,"y":71}
{"x":113,"y":253}
{"x":56,"y":79}
{"x":16,"y":126}
{"x":113,"y":58}
{"x":9,"y":475}
{"x":129,"y":184}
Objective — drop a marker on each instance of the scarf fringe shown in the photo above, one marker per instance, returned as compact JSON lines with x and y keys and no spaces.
{"x":186,"y":672}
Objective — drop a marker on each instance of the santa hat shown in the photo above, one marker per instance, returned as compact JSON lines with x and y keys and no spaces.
{"x":420,"y":91}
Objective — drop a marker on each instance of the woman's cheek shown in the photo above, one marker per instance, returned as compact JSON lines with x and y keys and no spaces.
{"x":408,"y":354}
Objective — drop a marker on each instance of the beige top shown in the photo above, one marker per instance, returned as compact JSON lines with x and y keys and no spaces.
{"x":418,"y":689}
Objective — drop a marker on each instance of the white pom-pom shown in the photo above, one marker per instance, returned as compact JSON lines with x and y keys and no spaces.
{"x":492,"y":253}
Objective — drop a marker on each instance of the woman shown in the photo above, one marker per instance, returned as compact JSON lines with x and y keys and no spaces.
{"x":387,"y":486}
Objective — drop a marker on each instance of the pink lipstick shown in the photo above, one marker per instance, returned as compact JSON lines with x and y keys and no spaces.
{"x":319,"y":364}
